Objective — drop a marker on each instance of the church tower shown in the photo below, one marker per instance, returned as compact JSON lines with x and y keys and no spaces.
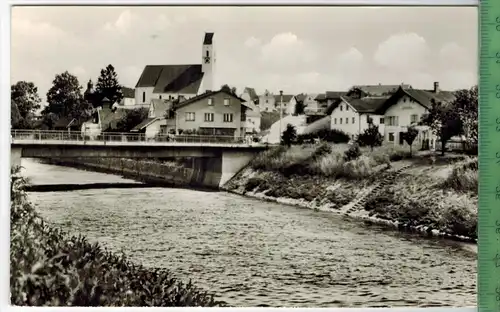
{"x":208,"y":62}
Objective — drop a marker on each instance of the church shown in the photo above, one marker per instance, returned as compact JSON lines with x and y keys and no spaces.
{"x":169,"y":82}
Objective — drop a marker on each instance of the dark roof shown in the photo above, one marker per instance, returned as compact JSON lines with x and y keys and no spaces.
{"x":252,"y":93}
{"x":207,"y":94}
{"x":128,"y":92}
{"x":286,"y":98}
{"x":320,"y":97}
{"x":334,"y":95}
{"x":172,"y":78}
{"x":380,"y":90}
{"x":423,"y":97}
{"x":65,"y":122}
{"x":366,"y":104}
{"x":143,"y":124}
{"x":208,"y":38}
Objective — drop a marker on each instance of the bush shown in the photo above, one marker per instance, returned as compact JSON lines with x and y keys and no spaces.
{"x":49,"y":268}
{"x":254,"y":183}
{"x":464,"y":177}
{"x":328,"y":135}
{"x":352,"y":153}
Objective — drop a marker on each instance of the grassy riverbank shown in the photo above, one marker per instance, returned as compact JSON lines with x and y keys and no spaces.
{"x":424,"y":192}
{"x":50,"y":268}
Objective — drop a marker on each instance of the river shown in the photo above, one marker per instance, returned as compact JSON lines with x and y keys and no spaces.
{"x":255,"y":253}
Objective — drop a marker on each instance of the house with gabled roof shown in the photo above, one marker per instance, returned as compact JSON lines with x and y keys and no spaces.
{"x":283,"y":102}
{"x":168,"y":82}
{"x":267,"y":102}
{"x":406,"y":107}
{"x":157,"y":120}
{"x":250,"y":95}
{"x":374,"y":90}
{"x":219,"y":113}
{"x":322,"y":101}
{"x":104,"y":119}
{"x":354,"y":115}
{"x":128,"y":100}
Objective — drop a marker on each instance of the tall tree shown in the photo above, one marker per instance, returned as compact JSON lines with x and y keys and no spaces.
{"x":466,"y":104}
{"x":108,"y":86}
{"x":370,"y":137}
{"x":289,"y":135}
{"x":445,"y":122}
{"x":228,"y":88}
{"x":64,"y":95}
{"x":24,"y":96}
{"x":131,"y":119}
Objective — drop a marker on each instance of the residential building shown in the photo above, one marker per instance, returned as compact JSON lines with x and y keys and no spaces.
{"x":168,"y":82}
{"x":249,"y":95}
{"x":406,"y":107}
{"x":267,"y":102}
{"x":218,"y":113}
{"x":253,"y":118}
{"x":283,"y":102}
{"x":321,"y":102}
{"x":104,"y":119}
{"x":374,"y":90}
{"x":353,"y":116}
{"x":128,"y":100}
{"x":157,"y":121}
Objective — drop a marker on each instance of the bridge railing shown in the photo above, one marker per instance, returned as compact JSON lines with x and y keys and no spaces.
{"x":69,"y":136}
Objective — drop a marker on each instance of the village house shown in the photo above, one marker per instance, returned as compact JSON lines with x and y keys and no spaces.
{"x":267,"y":102}
{"x":406,"y":107}
{"x":374,"y":90}
{"x":321,"y":102}
{"x":284,"y":102}
{"x":249,"y":95}
{"x":253,"y":118}
{"x":157,"y":121}
{"x":219,"y":113}
{"x":104,"y":119}
{"x":168,"y":82}
{"x":353,"y":116}
{"x":128,"y":100}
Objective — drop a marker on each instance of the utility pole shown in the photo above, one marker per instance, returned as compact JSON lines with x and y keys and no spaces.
{"x":281,"y":113}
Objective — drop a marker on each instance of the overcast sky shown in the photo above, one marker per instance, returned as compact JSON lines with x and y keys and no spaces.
{"x":295,"y":49}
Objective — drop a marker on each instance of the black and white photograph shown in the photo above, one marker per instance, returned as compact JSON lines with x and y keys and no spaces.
{"x":243,"y":156}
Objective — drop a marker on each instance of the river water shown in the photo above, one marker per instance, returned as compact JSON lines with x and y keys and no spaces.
{"x":255,"y":253}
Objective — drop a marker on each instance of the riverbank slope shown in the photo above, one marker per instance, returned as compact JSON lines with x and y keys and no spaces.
{"x":51,"y":268}
{"x":424,"y":193}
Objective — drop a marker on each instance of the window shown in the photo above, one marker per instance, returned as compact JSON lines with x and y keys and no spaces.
{"x":160,"y":96}
{"x":347,"y":107}
{"x":334,"y":121}
{"x":346,"y":120}
{"x":267,"y":101}
{"x":391,"y":137}
{"x":414,"y":118}
{"x":340,"y":120}
{"x":210,"y":101}
{"x":226,"y":102}
{"x":381,"y":120}
{"x":207,"y":54}
{"x":341,"y":107}
{"x":143,"y":97}
{"x":353,"y":121}
{"x":209,"y":117}
{"x":189,"y":116}
{"x":392,"y":121}
{"x":228,"y":117}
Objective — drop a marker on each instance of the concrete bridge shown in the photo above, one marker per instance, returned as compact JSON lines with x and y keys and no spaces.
{"x":230,"y":154}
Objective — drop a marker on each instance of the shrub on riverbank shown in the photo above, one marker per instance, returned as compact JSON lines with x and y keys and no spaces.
{"x":421,"y":200}
{"x":464,"y":177}
{"x":326,"y":160}
{"x":49,"y":268}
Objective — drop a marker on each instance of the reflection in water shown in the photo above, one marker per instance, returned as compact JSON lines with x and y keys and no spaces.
{"x":258,"y":253}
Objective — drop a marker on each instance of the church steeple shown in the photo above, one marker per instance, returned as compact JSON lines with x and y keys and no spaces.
{"x":207,"y":61}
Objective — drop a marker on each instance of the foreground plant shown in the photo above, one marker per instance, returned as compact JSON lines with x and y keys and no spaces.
{"x":49,"y":268}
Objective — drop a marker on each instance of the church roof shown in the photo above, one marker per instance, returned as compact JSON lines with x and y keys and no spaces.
{"x":172,"y":78}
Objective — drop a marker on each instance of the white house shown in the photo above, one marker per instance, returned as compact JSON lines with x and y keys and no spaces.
{"x":253,"y":118}
{"x":353,"y":116}
{"x":103,"y":119}
{"x":267,"y":102}
{"x":249,"y":95}
{"x":168,"y":82}
{"x":321,"y":102}
{"x":128,"y":100}
{"x":406,"y":107}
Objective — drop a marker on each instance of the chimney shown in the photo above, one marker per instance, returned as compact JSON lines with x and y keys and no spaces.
{"x":436,"y":87}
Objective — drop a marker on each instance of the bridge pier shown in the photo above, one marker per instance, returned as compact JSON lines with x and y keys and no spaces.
{"x":233,"y":162}
{"x":15,"y":156}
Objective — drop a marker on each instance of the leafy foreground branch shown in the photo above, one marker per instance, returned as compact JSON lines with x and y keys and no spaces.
{"x":49,"y":268}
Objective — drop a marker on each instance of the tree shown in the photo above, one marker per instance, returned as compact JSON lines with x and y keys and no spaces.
{"x":24,"y":96}
{"x":107,"y":85}
{"x":64,"y":96}
{"x":370,"y":137}
{"x":299,"y":108}
{"x":132,"y":119}
{"x":229,"y":89}
{"x":15,"y":117}
{"x":466,"y":104}
{"x":445,"y":122}
{"x":409,"y":136}
{"x":289,"y":135}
